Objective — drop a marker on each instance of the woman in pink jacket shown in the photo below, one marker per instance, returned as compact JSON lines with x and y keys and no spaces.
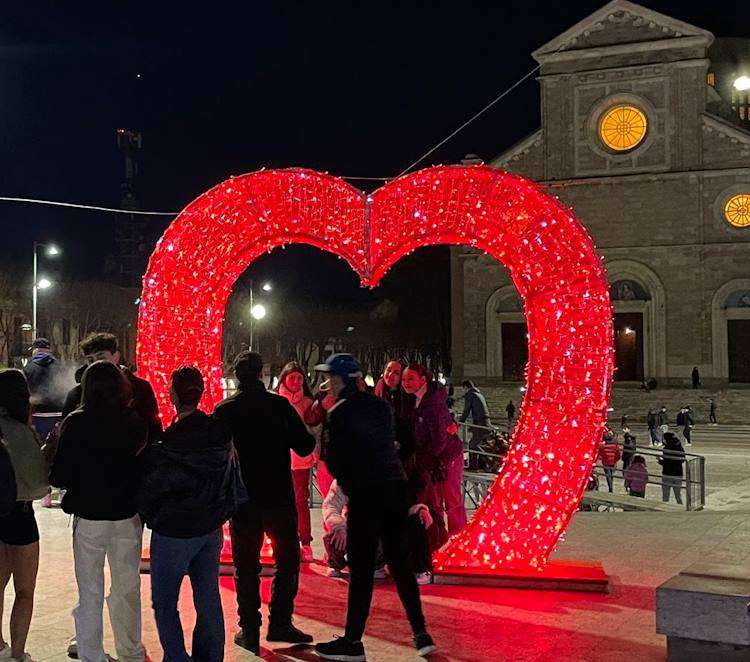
{"x":294,"y":387}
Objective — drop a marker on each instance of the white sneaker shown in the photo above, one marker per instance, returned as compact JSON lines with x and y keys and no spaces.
{"x":379,"y":573}
{"x":5,"y":653}
{"x":424,"y":578}
{"x":73,"y":648}
{"x":307,"y":554}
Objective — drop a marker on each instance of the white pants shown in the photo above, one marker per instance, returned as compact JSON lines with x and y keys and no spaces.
{"x":120,"y":543}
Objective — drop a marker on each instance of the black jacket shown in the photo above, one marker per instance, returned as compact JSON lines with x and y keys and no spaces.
{"x":97,"y":463}
{"x":47,"y":383}
{"x":672,"y":459}
{"x":265,"y":427}
{"x":144,"y":402}
{"x":187,"y":478}
{"x":361,"y":450}
{"x":403,"y":408}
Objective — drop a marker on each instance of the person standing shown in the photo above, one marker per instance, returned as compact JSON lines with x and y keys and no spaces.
{"x":265,"y":428}
{"x":652,"y":427}
{"x":636,"y":477}
{"x":628,"y":450}
{"x":189,"y":490}
{"x":97,"y":464}
{"x":662,"y":423}
{"x":294,"y":387}
{"x":688,"y":424}
{"x":609,"y":455}
{"x":19,"y":534}
{"x":104,"y":347}
{"x":439,"y":454}
{"x":695,"y":377}
{"x":475,"y":407}
{"x":362,"y":458}
{"x":510,"y":410}
{"x":712,"y":412}
{"x":671,"y":461}
{"x":45,"y":378}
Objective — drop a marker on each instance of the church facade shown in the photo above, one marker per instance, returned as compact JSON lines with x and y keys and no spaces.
{"x":640,"y":146}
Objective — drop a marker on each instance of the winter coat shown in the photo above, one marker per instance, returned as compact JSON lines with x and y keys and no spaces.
{"x":672,"y":459}
{"x":636,"y":477}
{"x":334,"y":508}
{"x":361,"y":450}
{"x":651,"y":420}
{"x":47,"y":383}
{"x":628,"y":447}
{"x":302,"y":407}
{"x":8,"y":491}
{"x":265,"y":427}
{"x":97,"y":463}
{"x":186,"y":489}
{"x":475,"y":407}
{"x":403,"y":408}
{"x":436,"y":447}
{"x":29,"y":466}
{"x":610,"y":454}
{"x":144,"y":403}
{"x":662,"y":418}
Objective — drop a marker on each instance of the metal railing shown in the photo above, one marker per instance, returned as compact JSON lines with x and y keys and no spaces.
{"x":692,"y":485}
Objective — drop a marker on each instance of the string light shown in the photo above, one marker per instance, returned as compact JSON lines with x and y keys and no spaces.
{"x":549,"y":254}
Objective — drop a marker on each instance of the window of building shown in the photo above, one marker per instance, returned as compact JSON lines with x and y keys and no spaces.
{"x":622,"y":127}
{"x":66,"y":331}
{"x":737,"y":210}
{"x":712,"y":79}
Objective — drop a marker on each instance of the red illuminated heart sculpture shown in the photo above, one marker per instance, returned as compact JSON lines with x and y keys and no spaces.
{"x":552,"y":261}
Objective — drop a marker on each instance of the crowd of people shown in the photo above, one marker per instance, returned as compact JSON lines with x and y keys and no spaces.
{"x":388,"y":462}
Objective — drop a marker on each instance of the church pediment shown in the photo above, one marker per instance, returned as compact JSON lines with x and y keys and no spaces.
{"x":620,"y":23}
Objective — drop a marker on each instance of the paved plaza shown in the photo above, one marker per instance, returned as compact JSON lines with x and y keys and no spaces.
{"x":638,"y":550}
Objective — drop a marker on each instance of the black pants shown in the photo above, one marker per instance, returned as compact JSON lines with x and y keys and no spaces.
{"x":712,"y":418}
{"x":379,"y":514}
{"x":247,"y":529}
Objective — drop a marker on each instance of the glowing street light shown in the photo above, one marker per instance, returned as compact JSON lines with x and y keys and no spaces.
{"x":258,"y":311}
{"x":40,"y":284}
{"x":267,"y":287}
{"x":742,"y":83}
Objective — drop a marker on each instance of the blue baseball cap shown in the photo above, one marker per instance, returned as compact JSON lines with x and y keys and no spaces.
{"x":341,"y":365}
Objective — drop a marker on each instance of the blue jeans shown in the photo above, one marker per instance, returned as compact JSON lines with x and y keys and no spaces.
{"x":171,"y":560}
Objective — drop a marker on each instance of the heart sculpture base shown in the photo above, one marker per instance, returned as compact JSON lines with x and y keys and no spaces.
{"x":583,"y":576}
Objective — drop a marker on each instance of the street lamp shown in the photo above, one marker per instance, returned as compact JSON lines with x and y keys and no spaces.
{"x":742,"y":83}
{"x":257,"y":311}
{"x":40,"y":284}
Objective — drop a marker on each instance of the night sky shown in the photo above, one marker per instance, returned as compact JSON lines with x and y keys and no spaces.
{"x":353,"y":89}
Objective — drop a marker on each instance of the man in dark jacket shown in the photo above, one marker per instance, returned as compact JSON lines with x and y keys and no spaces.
{"x":187,"y":493}
{"x":103,"y":347}
{"x":45,"y":377}
{"x":362,"y":456}
{"x":265,"y":428}
{"x":475,"y":408}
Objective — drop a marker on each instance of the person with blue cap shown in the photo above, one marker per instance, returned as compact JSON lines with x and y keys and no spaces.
{"x":361,"y":452}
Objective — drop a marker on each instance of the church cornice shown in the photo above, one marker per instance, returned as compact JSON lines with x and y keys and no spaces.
{"x":571,"y":43}
{"x":714,"y":124}
{"x":518,"y":150}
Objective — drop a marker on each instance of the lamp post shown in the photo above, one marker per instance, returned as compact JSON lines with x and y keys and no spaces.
{"x":39,"y":284}
{"x":257,"y":310}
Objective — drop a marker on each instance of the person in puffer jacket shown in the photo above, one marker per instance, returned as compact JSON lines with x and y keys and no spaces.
{"x":186,"y":496}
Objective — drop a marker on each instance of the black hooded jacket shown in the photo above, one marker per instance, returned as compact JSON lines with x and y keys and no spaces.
{"x":265,"y":427}
{"x":97,"y":464}
{"x":187,"y":477}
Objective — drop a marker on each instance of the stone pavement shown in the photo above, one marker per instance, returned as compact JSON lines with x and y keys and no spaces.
{"x":639,"y":550}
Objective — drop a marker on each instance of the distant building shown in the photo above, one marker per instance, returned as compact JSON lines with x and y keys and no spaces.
{"x":652,"y":153}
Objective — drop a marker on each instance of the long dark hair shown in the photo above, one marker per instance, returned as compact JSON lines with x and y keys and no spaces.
{"x":104,"y":387}
{"x":421,"y":371}
{"x":287,"y":370}
{"x":14,"y":395}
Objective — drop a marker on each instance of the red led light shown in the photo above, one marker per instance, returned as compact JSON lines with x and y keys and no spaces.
{"x":549,"y":254}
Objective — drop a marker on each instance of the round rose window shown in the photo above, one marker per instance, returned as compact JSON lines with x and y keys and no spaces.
{"x":622,"y":128}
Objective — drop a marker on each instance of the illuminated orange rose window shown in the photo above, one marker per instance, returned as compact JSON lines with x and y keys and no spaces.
{"x":623,"y":128}
{"x":737,"y":210}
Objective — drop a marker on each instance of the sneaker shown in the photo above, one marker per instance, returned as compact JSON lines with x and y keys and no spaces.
{"x":73,"y":648}
{"x":424,"y":644}
{"x":379,"y":573}
{"x":288,"y":634}
{"x":424,"y":578}
{"x":307,"y":554}
{"x":342,"y":649}
{"x":248,"y":641}
{"x":24,"y":658}
{"x":335,"y":573}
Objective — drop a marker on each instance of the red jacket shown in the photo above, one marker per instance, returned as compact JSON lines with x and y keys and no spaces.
{"x":610,"y":454}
